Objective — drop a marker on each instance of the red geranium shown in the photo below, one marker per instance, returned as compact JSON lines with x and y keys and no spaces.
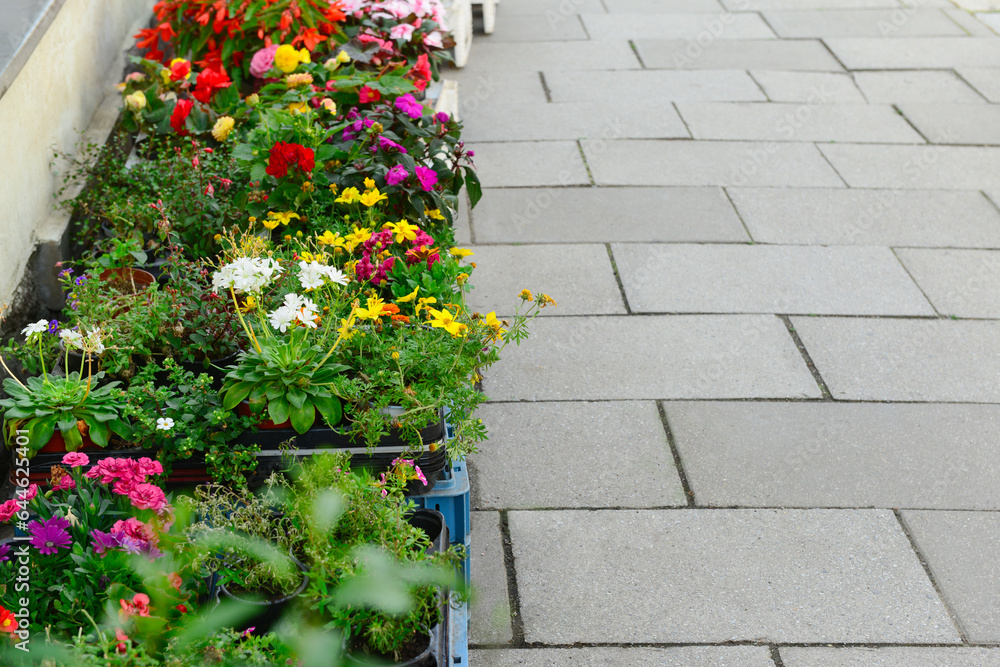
{"x":209,"y":81}
{"x":366,"y":95}
{"x":284,"y":155}
{"x":179,"y":116}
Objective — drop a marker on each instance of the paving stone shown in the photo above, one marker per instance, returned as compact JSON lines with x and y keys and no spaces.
{"x":915,"y":52}
{"x":960,"y":283}
{"x":889,"y":656}
{"x":986,"y":81}
{"x":837,"y":216}
{"x":917,"y":86}
{"x":537,"y":29}
{"x":680,"y":656}
{"x":723,"y":163}
{"x":979,"y":5}
{"x":567,"y":442}
{"x":575,"y":120}
{"x":489,"y":617}
{"x":579,"y":277}
{"x":765,"y":5}
{"x":722,"y":575}
{"x":549,"y":9}
{"x":679,"y":356}
{"x":663,"y":85}
{"x":661,"y":6}
{"x":671,"y":278}
{"x":736,"y":53}
{"x":919,"y":167}
{"x":770,"y":454}
{"x":530,"y":163}
{"x":481,"y":90}
{"x":961,"y":549}
{"x":532,"y":56}
{"x":811,"y":87}
{"x":990,"y":19}
{"x":593,"y":215}
{"x":862,"y":23}
{"x":675,"y":26}
{"x":905,"y":360}
{"x":956,"y":123}
{"x":797,"y":122}
{"x":968,"y":22}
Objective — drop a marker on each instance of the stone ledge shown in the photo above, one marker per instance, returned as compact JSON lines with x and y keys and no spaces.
{"x":22,"y":25}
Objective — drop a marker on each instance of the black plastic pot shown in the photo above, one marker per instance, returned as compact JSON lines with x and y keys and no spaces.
{"x":323,"y":437}
{"x":267,"y":612}
{"x":77,"y":364}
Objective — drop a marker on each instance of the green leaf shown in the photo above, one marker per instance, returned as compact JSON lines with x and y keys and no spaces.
{"x":278,"y":410}
{"x":258,"y":171}
{"x":98,"y":433}
{"x":73,"y":438}
{"x":243,"y":152}
{"x":296,"y":397}
{"x":236,"y":394}
{"x":40,"y":431}
{"x":473,"y":185}
{"x":331,"y":409}
{"x":303,"y":417}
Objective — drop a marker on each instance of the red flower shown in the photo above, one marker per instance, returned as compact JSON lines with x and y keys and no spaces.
{"x":8,"y":622}
{"x":309,"y":38}
{"x":149,"y":38}
{"x":179,"y":116}
{"x":367,"y":95}
{"x":182,"y":609}
{"x":283,"y":156}
{"x":179,"y":70}
{"x":420,"y":73}
{"x":209,"y":81}
{"x":122,"y":640}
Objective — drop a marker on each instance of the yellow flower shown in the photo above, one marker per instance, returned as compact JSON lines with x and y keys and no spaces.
{"x":253,"y":100}
{"x":460,"y":253}
{"x":403,"y":230}
{"x":333,"y":188}
{"x":546,"y":300}
{"x":298,"y":107}
{"x":274,"y":219}
{"x":494,"y":324}
{"x":461,"y":278}
{"x":342,"y":57}
{"x":348,"y":196}
{"x":345,"y":329}
{"x":298,"y":79}
{"x":330,"y":238}
{"x":223,"y":127}
{"x":433,"y":214}
{"x":374,"y":309}
{"x":217,"y":237}
{"x":329,"y":105}
{"x":136,"y":101}
{"x":308,"y":186}
{"x":357,"y":237}
{"x":372,"y":197}
{"x":409,"y":297}
{"x":442,"y":319}
{"x":423,"y":301}
{"x":369,"y":184}
{"x":249,"y":304}
{"x":526,"y":295}
{"x":286,"y":58}
{"x":395,"y":356}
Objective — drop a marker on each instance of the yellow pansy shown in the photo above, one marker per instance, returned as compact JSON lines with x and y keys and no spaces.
{"x":460,"y":253}
{"x":348,"y":196}
{"x":372,"y":197}
{"x":403,"y":230}
{"x":409,"y":297}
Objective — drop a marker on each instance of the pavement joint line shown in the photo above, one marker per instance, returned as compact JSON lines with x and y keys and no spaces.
{"x":930,"y":576}
{"x":822,"y":40}
{"x":618,"y":279}
{"x":635,"y":51}
{"x":743,"y":399}
{"x":912,"y":124}
{"x":583,"y":24}
{"x":542,"y":645}
{"x":586,"y":165}
{"x":513,"y":596}
{"x":776,"y":657}
{"x":685,"y":484}
{"x":990,"y":200}
{"x":682,"y":313}
{"x":916,"y":284}
{"x":729,"y":198}
{"x":687,"y":128}
{"x":969,"y":84}
{"x":545,"y":87}
{"x":834,"y":167}
{"x":729,"y":508}
{"x":763,"y":92}
{"x":782,"y":142}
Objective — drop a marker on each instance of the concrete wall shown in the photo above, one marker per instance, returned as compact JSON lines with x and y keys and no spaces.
{"x":54,"y":97}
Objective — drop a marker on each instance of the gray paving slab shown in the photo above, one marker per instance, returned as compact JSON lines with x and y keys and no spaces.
{"x":680,"y":656}
{"x":960,"y":283}
{"x":770,"y":454}
{"x":905,"y":360}
{"x":986,"y":81}
{"x":567,"y":443}
{"x":661,"y":6}
{"x":916,"y":86}
{"x":915,"y":52}
{"x":773,"y":54}
{"x":838,"y":216}
{"x":961,"y":549}
{"x":753,"y":121}
{"x":530,"y":28}
{"x":679,"y":356}
{"x":533,"y":56}
{"x":602,"y":27}
{"x":811,"y":87}
{"x":548,"y":9}
{"x":725,"y":163}
{"x":889,"y":656}
{"x":489,"y":614}
{"x":593,"y":215}
{"x":886,"y":22}
{"x":529,"y":163}
{"x":968,"y":22}
{"x":955,"y":123}
{"x":916,"y":167}
{"x":844,"y":280}
{"x":578,"y":276}
{"x":765,"y":5}
{"x":722,"y":575}
{"x":990,"y":19}
{"x":608,"y":119}
{"x":662,"y":85}
{"x":479,"y":90}
{"x":979,"y":5}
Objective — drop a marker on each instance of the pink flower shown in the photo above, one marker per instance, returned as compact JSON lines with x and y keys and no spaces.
{"x":366,"y":95}
{"x":410,"y":106}
{"x":122,"y":640}
{"x":427,"y":177}
{"x":147,"y":466}
{"x":175,"y":580}
{"x":396,"y":175}
{"x":263,"y":61}
{"x":123,"y":487}
{"x":9,"y":509}
{"x":136,"y":529}
{"x":76,"y":459}
{"x":403,"y":31}
{"x":28,"y":493}
{"x":139,"y":606}
{"x":148,"y":497}
{"x":65,"y":483}
{"x":433,"y":40}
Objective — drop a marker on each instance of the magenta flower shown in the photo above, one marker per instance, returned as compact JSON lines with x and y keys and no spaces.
{"x":427,"y":177}
{"x":29,"y":493}
{"x":146,"y":466}
{"x":65,"y":483}
{"x":9,"y":509}
{"x":389,"y":144}
{"x":49,"y":536}
{"x":442,"y":117}
{"x":396,"y":175}
{"x":105,"y":542}
{"x":4,"y":553}
{"x":148,"y":497}
{"x":76,"y":459}
{"x":408,"y":105}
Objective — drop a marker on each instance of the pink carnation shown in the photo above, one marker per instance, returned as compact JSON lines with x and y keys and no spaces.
{"x":76,"y":459}
{"x":65,"y":483}
{"x":9,"y":509}
{"x":148,"y":497}
{"x":28,"y":493}
{"x":263,"y":61}
{"x":146,"y":466}
{"x":136,"y":529}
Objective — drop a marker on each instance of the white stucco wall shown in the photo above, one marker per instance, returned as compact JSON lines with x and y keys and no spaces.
{"x":51,"y":101}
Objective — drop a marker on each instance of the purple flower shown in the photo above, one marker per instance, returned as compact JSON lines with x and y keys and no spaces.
{"x":471,"y":153}
{"x":396,"y":175}
{"x":49,"y":536}
{"x":66,"y":273}
{"x":409,"y":106}
{"x":104,"y":542}
{"x":427,"y":177}
{"x":442,"y":117}
{"x":80,"y":280}
{"x":53,"y":326}
{"x":4,"y":553}
{"x":388,"y":144}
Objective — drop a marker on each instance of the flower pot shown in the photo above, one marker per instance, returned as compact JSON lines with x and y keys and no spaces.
{"x":424,"y":658}
{"x":267,"y":612}
{"x":124,"y":279}
{"x":243,"y":409}
{"x":322,"y":437}
{"x":77,"y":364}
{"x":58,"y":445}
{"x":185,"y":472}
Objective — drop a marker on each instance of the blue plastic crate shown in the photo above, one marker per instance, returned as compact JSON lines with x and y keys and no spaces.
{"x":450,"y":496}
{"x":458,"y":651}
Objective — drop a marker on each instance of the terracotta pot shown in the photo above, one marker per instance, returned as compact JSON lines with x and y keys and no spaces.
{"x":243,"y":409}
{"x":141,"y":279}
{"x":58,"y":444}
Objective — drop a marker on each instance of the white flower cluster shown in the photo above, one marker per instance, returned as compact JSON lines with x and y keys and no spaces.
{"x":311,"y":275}
{"x":296,"y":308}
{"x":74,"y":340}
{"x":41,"y":326}
{"x":246,"y":274}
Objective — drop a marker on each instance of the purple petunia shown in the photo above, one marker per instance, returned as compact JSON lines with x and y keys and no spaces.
{"x":49,"y":536}
{"x":396,"y":175}
{"x":408,"y":105}
{"x":389,"y":144}
{"x":4,"y":553}
{"x":427,"y":177}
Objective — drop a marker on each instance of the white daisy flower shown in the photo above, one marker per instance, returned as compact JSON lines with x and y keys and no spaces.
{"x":311,"y":274}
{"x":41,"y":326}
{"x":282,"y":318}
{"x":164,"y":424}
